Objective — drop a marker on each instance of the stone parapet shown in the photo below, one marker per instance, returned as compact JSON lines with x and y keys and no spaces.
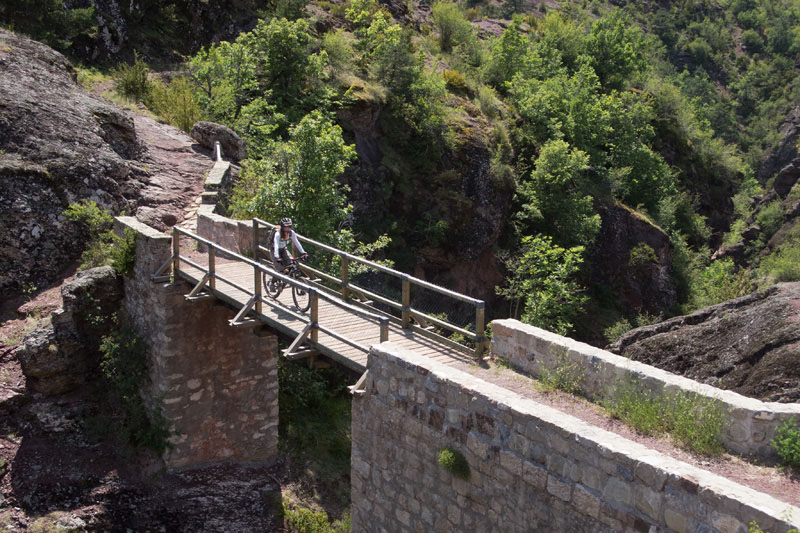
{"x":235,"y":235}
{"x":532,"y":468}
{"x":751,"y":423}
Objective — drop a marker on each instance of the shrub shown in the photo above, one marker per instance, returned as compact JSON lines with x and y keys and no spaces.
{"x":175,"y":103}
{"x":454,"y":462}
{"x":304,"y":520}
{"x":787,"y":443}
{"x":719,"y":282}
{"x":783,"y":264}
{"x":454,"y":80}
{"x":131,"y":81}
{"x":752,"y":41}
{"x":770,"y":218}
{"x":642,"y":254}
{"x":105,"y":247}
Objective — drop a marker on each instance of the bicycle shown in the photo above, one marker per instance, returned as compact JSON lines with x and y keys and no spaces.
{"x":274,"y":286}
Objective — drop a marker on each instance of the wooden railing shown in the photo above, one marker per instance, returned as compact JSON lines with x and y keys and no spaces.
{"x":344,"y":287}
{"x":256,"y":297}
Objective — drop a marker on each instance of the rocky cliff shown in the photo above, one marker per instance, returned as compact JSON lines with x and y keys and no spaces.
{"x":750,"y":345}
{"x":59,"y":145}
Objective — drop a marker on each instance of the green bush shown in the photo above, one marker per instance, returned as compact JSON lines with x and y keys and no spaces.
{"x":719,"y":282}
{"x":454,"y":462}
{"x":105,"y":247}
{"x":783,"y":264}
{"x":454,"y":80}
{"x":640,"y":255}
{"x":304,"y":520}
{"x":175,"y":103}
{"x":770,"y":218}
{"x":787,"y":443}
{"x":131,"y":81}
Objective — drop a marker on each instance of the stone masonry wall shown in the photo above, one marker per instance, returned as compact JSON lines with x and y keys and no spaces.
{"x":235,"y":235}
{"x":217,"y":385}
{"x":751,"y":423}
{"x":532,"y":468}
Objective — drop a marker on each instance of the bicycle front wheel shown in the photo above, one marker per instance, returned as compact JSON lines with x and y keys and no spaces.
{"x":272,"y":286}
{"x":302,"y":299}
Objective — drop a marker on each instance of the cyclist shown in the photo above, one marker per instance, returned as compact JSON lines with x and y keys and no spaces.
{"x":280,"y":243}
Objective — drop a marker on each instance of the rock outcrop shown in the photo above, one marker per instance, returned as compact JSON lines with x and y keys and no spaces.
{"x":60,"y":145}
{"x":62,"y":355}
{"x":633,"y":258}
{"x":750,"y":345}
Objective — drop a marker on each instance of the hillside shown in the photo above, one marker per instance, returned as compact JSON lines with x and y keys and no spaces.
{"x":587,"y":168}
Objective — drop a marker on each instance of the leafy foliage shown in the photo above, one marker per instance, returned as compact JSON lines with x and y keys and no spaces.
{"x":300,"y":179}
{"x":105,"y":247}
{"x":783,"y":264}
{"x":543,"y":278}
{"x":454,"y":462}
{"x":304,"y":520}
{"x":787,"y":442}
{"x":718,"y":282}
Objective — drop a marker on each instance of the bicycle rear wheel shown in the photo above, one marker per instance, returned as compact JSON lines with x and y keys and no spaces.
{"x":301,"y":297}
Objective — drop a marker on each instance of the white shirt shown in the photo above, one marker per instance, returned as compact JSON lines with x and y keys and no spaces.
{"x":278,"y":243}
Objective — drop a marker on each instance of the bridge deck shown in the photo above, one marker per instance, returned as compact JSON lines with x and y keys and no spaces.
{"x":358,"y":329}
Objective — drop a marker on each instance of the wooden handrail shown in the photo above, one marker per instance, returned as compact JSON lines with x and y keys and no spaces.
{"x":346,"y":288}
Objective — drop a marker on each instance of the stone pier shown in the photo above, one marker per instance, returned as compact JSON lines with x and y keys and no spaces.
{"x":216,"y":385}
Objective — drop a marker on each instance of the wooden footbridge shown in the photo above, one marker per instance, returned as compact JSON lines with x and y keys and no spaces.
{"x":343,"y":319}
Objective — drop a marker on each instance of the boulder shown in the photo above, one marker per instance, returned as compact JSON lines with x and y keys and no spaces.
{"x":750,"y":345}
{"x":233,"y":147}
{"x":63,"y":354}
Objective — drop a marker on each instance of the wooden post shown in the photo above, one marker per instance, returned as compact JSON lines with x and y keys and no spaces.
{"x":255,"y":240}
{"x":314,"y":315}
{"x":257,"y":288}
{"x":406,"y":303}
{"x":384,"y":329}
{"x":176,"y":252}
{"x":212,"y":280}
{"x":345,"y":276}
{"x":480,"y":341}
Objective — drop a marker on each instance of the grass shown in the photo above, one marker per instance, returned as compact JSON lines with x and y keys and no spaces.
{"x":565,"y":375}
{"x":694,"y":421}
{"x":32,"y":321}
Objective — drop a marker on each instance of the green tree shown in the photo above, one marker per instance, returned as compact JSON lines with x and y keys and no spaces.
{"x":300,"y":179}
{"x":552,"y":198}
{"x":285,"y":68}
{"x":616,"y":48}
{"x":542,"y":276}
{"x":507,"y":56}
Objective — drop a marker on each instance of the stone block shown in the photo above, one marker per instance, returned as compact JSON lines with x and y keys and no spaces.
{"x":559,"y":489}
